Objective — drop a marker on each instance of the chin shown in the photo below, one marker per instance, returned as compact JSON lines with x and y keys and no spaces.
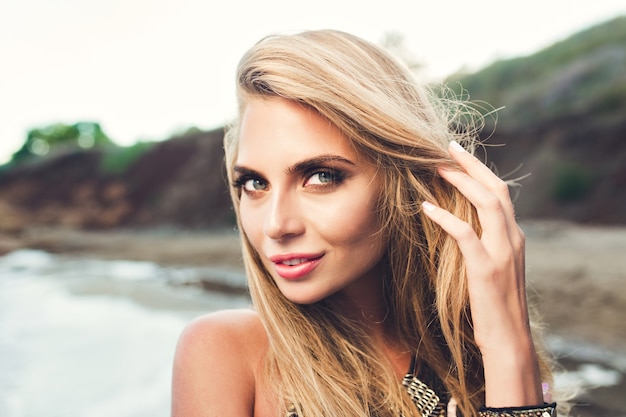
{"x":304,"y":297}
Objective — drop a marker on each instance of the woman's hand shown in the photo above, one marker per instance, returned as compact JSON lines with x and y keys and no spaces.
{"x":496,"y":282}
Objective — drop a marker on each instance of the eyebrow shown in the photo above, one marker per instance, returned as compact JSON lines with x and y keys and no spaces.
{"x":246,"y":172}
{"x":301,"y":166}
{"x":311,"y":163}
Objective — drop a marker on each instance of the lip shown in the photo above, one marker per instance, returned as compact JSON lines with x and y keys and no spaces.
{"x":306,"y":263}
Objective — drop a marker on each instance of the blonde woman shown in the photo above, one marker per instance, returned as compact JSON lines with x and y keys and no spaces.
{"x":384,"y":262}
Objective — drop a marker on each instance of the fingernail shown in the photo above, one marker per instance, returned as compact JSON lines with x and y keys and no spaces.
{"x":428,"y":206}
{"x":455,"y":145}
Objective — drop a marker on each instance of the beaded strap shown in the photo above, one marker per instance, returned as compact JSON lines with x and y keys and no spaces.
{"x":430,"y":405}
{"x":426,"y":400}
{"x":545,"y":410}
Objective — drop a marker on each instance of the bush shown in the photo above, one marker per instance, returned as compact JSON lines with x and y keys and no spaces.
{"x":82,"y":135}
{"x":117,"y":160}
{"x":571,"y":183}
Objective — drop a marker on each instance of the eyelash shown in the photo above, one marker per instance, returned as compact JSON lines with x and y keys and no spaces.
{"x":241,"y":181}
{"x":336,"y":178}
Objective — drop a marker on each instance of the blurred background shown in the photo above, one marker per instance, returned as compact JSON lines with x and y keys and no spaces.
{"x":116,"y":227}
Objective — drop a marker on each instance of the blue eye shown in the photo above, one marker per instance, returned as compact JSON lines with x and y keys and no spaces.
{"x":254,"y":184}
{"x":324,"y":177}
{"x":250,"y":184}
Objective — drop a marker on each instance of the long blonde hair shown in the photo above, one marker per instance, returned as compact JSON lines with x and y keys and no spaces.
{"x":322,"y":362}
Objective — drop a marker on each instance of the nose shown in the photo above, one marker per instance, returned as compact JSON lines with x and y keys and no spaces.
{"x":284,"y":217}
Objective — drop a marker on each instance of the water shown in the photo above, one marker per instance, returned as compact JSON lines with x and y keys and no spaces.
{"x":92,"y":338}
{"x":596,"y":375}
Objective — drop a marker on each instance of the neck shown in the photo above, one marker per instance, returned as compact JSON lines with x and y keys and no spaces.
{"x":378,"y":320}
{"x":366,"y":302}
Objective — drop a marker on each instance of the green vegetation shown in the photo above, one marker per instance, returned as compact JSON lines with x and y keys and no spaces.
{"x":568,"y":79}
{"x":117,"y":160}
{"x":571,"y":183}
{"x":43,"y":140}
{"x":5,"y":168}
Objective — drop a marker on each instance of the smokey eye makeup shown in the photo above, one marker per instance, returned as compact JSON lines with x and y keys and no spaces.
{"x":248,"y":180}
{"x":249,"y":183}
{"x":317,"y":174}
{"x":318,"y":178}
{"x":324,"y":177}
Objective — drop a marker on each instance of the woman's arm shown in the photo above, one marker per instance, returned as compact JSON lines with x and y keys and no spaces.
{"x":496,"y":282}
{"x":214,"y":365}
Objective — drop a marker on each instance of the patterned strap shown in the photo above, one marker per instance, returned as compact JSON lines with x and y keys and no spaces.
{"x":545,"y":410}
{"x":427,"y":401}
{"x":430,"y":404}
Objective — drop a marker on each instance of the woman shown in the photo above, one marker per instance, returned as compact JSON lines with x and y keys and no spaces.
{"x":384,"y":262}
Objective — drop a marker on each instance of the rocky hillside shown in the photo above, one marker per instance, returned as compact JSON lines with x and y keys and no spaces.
{"x":177,"y":182}
{"x":564,"y":123}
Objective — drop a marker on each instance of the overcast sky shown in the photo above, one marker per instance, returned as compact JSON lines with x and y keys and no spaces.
{"x":145,"y":69}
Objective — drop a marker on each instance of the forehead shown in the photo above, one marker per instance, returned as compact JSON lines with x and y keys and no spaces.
{"x":275,"y":126}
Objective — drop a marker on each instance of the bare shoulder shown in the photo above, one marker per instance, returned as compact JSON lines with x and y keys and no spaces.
{"x":215,"y":365}
{"x":217,"y":329}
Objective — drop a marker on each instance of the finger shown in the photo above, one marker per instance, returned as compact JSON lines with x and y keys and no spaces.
{"x":481,"y":173}
{"x":467,"y":240}
{"x":491,"y":212}
{"x":487,"y":280}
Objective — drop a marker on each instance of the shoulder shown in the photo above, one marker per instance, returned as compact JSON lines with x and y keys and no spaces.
{"x":215,"y":364}
{"x":224,"y":326}
{"x":228,"y":331}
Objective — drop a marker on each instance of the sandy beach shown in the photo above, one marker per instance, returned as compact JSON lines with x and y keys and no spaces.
{"x":576,"y":275}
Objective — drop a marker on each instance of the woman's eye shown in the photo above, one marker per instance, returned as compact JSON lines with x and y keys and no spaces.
{"x":254,"y":184}
{"x":322,"y":178}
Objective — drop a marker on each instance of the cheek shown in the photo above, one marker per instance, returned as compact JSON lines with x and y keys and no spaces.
{"x":350,"y":221}
{"x":251,"y":224}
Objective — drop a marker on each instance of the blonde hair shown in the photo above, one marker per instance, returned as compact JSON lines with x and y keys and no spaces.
{"x":322,"y":362}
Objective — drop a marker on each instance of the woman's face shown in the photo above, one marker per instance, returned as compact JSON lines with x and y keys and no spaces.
{"x":308,"y":202}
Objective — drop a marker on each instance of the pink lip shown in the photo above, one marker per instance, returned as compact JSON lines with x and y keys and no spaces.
{"x":307,"y":262}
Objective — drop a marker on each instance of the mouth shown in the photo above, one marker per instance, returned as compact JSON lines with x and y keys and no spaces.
{"x":294,"y":261}
{"x":295,"y":267}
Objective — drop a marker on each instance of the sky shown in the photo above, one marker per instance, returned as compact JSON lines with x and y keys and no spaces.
{"x":147,"y":69}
